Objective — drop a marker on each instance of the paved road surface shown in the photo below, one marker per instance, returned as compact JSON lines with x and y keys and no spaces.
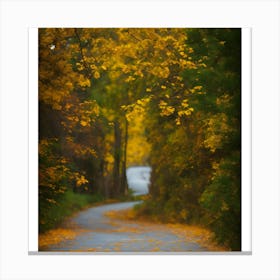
{"x":94,"y":231}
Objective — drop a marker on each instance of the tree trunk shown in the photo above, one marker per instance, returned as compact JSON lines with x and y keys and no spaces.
{"x":124,"y":185}
{"x":117,"y":159}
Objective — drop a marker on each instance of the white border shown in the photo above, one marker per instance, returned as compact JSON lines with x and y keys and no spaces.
{"x":33,"y":202}
{"x":17,"y":16}
{"x":246,"y":191}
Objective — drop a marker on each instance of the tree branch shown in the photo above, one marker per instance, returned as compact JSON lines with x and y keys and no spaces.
{"x":89,"y":73}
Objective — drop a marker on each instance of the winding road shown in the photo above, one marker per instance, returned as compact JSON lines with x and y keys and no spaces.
{"x":93,"y":230}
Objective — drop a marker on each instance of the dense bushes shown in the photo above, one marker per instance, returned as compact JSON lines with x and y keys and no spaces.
{"x":51,"y":215}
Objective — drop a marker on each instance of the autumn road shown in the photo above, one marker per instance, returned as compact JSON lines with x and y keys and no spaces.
{"x":93,"y":231}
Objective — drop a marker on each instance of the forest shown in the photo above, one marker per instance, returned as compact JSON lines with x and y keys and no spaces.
{"x":168,"y":98}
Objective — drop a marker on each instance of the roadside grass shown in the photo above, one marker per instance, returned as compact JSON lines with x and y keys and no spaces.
{"x":52,"y":216}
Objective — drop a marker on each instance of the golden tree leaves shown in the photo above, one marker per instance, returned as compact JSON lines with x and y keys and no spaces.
{"x":217,"y":129}
{"x":166,"y":110}
{"x":80,"y":179}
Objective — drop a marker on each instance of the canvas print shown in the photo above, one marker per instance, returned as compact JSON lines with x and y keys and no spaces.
{"x":139,"y":140}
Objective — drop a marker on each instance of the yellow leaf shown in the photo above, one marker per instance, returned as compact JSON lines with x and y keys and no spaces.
{"x":178,"y":121}
{"x":96,"y":75}
{"x":83,"y":123}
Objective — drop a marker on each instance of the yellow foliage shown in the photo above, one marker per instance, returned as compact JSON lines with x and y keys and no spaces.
{"x":224,"y":100}
{"x":137,"y":148}
{"x":52,"y":201}
{"x":216,"y":129}
{"x":178,"y":121}
{"x":80,"y":180}
{"x":197,"y":88}
{"x":83,"y":123}
{"x":167,"y":111}
{"x":130,"y":79}
{"x":184,"y":103}
{"x":96,"y":75}
{"x":161,"y":72}
{"x":55,"y":236}
{"x":84,"y":82}
{"x":186,"y":112}
{"x":162,"y":104}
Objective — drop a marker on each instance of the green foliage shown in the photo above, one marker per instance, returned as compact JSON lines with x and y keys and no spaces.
{"x":69,"y":203}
